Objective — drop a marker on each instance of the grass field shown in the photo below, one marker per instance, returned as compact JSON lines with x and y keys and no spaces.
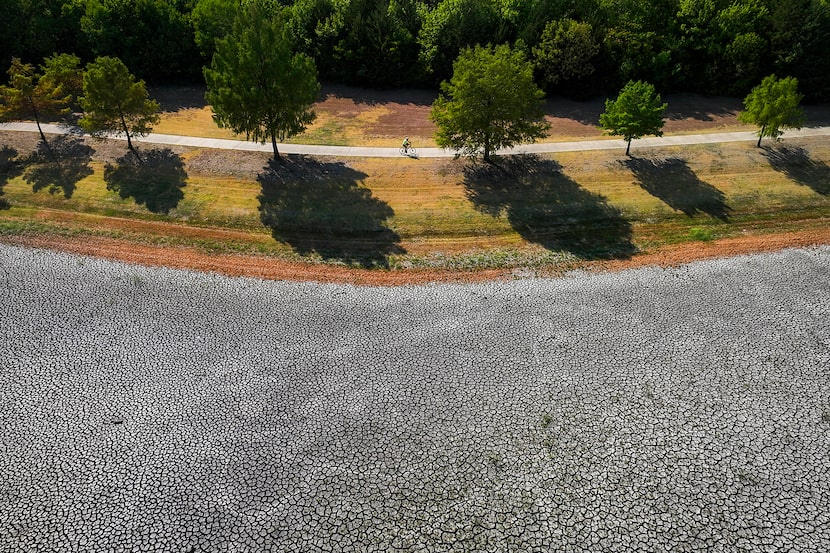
{"x":544,"y":211}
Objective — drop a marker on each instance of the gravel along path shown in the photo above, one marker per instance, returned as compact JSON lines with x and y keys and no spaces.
{"x":682,"y":409}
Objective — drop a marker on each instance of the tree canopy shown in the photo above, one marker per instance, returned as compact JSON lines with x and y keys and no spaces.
{"x":773,"y":106}
{"x":636,"y":112}
{"x":452,"y":26}
{"x":490,"y":102}
{"x":114,"y":102}
{"x":212,"y":20}
{"x":151,"y":37}
{"x":703,"y":46}
{"x":257,"y":84}
{"x":565,"y":51}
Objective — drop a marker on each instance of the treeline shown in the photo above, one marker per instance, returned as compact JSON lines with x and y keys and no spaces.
{"x":580,"y":48}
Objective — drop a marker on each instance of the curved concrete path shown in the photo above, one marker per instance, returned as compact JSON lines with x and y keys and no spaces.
{"x":358,"y":151}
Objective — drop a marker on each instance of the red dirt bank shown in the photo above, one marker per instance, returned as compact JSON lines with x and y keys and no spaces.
{"x":271,"y":269}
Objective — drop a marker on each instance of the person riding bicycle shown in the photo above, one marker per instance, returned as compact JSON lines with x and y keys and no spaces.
{"x":406,"y":144}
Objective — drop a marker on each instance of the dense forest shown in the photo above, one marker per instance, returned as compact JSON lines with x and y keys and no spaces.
{"x":579,"y":48}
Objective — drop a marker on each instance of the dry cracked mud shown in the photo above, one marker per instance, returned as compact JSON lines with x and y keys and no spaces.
{"x":656,"y":409}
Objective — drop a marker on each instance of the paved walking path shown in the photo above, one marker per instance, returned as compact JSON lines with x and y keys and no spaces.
{"x":360,"y":151}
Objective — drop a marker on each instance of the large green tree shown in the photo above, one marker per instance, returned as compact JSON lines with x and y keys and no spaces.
{"x":257,"y":84}
{"x":114,"y":102}
{"x":491,"y":102}
{"x":636,"y":112}
{"x":773,"y":106}
{"x":40,"y":94}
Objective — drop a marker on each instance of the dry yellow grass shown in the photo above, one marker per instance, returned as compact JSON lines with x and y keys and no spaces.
{"x":329,"y":128}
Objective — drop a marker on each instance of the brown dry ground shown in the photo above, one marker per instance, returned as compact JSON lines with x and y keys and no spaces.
{"x":266,"y":268}
{"x":422,"y":187}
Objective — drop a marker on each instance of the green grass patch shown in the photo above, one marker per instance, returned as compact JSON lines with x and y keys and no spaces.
{"x":701,"y":234}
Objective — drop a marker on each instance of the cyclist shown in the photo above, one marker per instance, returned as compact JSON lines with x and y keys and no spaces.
{"x":406,"y":144}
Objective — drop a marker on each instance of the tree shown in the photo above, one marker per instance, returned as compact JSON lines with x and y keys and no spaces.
{"x":773,"y":106}
{"x":13,"y":22}
{"x":799,"y":43}
{"x":565,"y":51}
{"x":370,"y":45}
{"x":636,"y":112}
{"x":491,"y":102}
{"x":257,"y":84}
{"x":114,"y":102}
{"x":39,"y":94}
{"x":452,"y":26}
{"x":211,"y":20}
{"x":64,"y":70}
{"x":152,"y":37}
{"x":314,"y":27}
{"x":745,"y":50}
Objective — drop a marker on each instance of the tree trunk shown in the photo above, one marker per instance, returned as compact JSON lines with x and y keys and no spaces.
{"x":761,"y":135}
{"x":487,"y":151}
{"x":129,"y":140}
{"x":132,"y":149}
{"x":628,"y":148}
{"x":42,"y":136}
{"x":274,"y":145}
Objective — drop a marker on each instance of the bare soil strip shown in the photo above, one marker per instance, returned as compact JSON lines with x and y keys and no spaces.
{"x":272,"y":269}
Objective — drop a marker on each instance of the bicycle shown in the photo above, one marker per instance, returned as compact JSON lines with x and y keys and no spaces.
{"x":409,"y":152}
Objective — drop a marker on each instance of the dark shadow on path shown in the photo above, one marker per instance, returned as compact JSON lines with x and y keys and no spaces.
{"x":59,"y":166}
{"x":796,"y":163}
{"x":10,"y":167}
{"x":156,"y":181}
{"x":318,"y":207}
{"x":549,"y":208}
{"x":672,"y":181}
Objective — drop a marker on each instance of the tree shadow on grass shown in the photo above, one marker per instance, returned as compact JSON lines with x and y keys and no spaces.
{"x":321,"y":208}
{"x":672,"y":181}
{"x":797,"y":164}
{"x":549,"y":208}
{"x":10,"y":167}
{"x":59,"y":166}
{"x":156,"y":180}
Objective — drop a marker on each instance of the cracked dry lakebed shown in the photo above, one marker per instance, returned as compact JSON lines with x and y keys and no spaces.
{"x":677,"y":409}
